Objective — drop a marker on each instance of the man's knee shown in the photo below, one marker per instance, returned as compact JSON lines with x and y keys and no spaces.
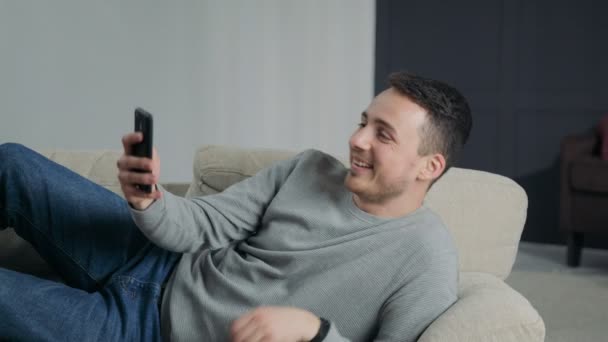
{"x":8,"y":149}
{"x":12,"y":153}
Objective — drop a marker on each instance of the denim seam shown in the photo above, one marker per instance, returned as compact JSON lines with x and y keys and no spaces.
{"x":139,"y":282}
{"x":56,"y":246}
{"x":126,"y":282}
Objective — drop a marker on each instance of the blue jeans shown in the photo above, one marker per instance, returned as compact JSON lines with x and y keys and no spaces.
{"x":113,"y":274}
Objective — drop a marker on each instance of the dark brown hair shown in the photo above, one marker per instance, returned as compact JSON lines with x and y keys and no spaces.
{"x":449,"y":120}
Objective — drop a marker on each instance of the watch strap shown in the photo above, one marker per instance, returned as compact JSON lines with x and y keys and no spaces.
{"x":323,"y":330}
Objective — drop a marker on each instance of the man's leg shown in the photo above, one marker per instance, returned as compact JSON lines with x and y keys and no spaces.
{"x":34,"y":309}
{"x":82,"y":229}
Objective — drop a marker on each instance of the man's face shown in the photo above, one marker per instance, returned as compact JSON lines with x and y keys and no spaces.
{"x":384,"y":156}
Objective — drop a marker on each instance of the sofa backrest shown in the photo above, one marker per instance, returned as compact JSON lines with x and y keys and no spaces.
{"x":96,"y":165}
{"x":485,"y":212}
{"x":99,"y":166}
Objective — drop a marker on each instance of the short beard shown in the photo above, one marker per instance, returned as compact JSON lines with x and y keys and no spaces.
{"x":386,"y":192}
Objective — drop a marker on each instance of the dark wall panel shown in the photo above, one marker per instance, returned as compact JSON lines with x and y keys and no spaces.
{"x":477,"y":155}
{"x":564,"y":46}
{"x":533,"y":71}
{"x":431,"y":38}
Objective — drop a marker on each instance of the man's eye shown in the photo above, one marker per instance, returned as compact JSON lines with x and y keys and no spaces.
{"x":361,"y":125}
{"x":384,"y":136}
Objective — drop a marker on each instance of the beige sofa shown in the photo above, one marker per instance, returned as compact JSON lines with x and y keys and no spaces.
{"x":485,"y":213}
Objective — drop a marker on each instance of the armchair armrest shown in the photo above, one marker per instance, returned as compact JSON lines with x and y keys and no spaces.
{"x":574,"y":146}
{"x":487,"y":310}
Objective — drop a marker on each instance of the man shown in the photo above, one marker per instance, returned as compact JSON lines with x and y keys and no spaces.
{"x":304,"y":250}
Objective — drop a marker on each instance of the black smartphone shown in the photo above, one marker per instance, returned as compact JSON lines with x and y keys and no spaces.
{"x":144,"y":124}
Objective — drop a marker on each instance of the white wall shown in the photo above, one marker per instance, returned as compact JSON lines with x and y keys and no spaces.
{"x":285,"y":74}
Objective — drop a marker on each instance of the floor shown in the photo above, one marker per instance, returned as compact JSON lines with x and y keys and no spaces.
{"x":572,"y":301}
{"x":552,"y":258}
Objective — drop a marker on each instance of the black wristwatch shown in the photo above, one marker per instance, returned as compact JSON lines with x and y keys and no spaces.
{"x":323,"y":330}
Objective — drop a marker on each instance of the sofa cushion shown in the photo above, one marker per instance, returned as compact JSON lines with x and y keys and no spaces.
{"x":217,"y":167}
{"x":487,"y":310}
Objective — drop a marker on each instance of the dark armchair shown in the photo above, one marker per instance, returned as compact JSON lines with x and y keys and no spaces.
{"x":584,"y":191}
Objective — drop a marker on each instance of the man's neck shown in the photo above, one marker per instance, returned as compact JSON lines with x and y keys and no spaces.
{"x":393,"y":208}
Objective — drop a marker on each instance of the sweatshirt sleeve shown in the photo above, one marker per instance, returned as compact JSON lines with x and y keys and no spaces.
{"x":410,"y":310}
{"x":187,"y":224}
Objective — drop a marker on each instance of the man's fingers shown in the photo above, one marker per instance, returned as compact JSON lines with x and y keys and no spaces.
{"x":133,"y":170}
{"x":250,"y":335}
{"x":128,"y":177}
{"x":129,"y":139}
{"x":247,"y":333}
{"x":249,"y":328}
{"x":137,"y":163}
{"x":132,"y":194}
{"x":238,"y":326}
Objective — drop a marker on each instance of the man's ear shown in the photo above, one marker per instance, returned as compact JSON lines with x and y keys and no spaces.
{"x":434,"y":165}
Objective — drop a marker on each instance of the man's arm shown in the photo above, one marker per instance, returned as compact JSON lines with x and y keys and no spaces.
{"x":185,"y":225}
{"x":404,"y":316}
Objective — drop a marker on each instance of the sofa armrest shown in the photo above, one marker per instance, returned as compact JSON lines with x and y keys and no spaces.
{"x":487,"y":310}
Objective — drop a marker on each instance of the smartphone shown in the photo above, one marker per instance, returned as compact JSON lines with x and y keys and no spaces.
{"x":144,"y":124}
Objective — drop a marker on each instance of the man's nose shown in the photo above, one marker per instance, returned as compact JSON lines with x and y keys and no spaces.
{"x":360,"y":139}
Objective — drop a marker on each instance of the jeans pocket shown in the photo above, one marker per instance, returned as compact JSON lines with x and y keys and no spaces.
{"x":134,"y":307}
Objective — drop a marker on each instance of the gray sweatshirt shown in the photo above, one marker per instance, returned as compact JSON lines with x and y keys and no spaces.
{"x":292,"y":236}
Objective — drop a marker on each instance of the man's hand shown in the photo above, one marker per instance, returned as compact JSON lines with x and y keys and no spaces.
{"x":275,"y":324}
{"x":128,"y":178}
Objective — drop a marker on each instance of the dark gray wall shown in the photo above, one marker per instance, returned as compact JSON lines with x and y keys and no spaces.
{"x":533,"y":71}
